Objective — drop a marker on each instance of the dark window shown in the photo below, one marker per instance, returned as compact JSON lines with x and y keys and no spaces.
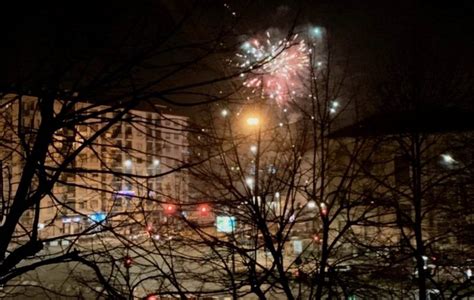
{"x":405,"y":215}
{"x":402,"y":170}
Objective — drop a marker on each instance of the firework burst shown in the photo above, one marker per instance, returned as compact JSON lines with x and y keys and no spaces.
{"x":277,"y":67}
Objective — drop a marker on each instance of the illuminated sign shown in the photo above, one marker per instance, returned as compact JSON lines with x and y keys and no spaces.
{"x":98,"y":217}
{"x":226,"y":224}
{"x":297,"y":246}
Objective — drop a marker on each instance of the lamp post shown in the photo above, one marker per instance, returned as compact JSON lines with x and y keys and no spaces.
{"x":254,"y":122}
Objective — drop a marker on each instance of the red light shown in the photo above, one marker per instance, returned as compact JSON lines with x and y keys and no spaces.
{"x":204,"y":209}
{"x":128,"y":261}
{"x":170,"y":208}
{"x":316,"y":238}
{"x":149,"y":228}
{"x":151,"y":297}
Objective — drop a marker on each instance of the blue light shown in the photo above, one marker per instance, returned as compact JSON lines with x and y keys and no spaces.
{"x":98,"y":217}
{"x":126,"y":193}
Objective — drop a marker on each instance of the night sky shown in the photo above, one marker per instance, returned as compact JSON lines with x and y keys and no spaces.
{"x":39,"y":39}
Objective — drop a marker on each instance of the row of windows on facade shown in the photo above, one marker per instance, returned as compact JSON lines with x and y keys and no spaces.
{"x":28,"y":106}
{"x":175,"y":151}
{"x":118,"y":185}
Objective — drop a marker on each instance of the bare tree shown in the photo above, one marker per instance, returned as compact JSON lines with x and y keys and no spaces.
{"x":60,"y":124}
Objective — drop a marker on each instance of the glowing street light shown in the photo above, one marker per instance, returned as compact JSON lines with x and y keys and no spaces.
{"x":156,"y":162}
{"x":224,"y":113}
{"x":253,"y":121}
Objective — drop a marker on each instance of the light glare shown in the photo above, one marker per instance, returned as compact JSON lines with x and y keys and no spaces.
{"x":253,"y":121}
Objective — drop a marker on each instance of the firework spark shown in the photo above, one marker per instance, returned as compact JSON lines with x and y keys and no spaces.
{"x":277,"y":67}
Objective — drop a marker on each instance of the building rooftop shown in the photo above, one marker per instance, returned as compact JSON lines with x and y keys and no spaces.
{"x":429,"y":120}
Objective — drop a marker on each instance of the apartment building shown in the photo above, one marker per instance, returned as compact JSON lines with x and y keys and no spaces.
{"x":123,"y":176}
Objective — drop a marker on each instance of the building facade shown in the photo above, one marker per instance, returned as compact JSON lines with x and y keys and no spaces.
{"x":124,"y":174}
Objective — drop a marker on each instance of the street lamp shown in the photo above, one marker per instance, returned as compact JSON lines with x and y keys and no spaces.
{"x":253,"y":121}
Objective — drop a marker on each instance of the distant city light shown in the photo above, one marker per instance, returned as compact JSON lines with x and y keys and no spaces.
{"x":253,"y":149}
{"x":448,"y":159}
{"x":292,"y":218}
{"x":277,"y":195}
{"x":333,"y":107}
{"x":250,"y":182}
{"x":311,"y":204}
{"x":469,"y":273}
{"x":156,"y":162}
{"x":127,"y":163}
{"x":149,"y":228}
{"x":224,"y":112}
